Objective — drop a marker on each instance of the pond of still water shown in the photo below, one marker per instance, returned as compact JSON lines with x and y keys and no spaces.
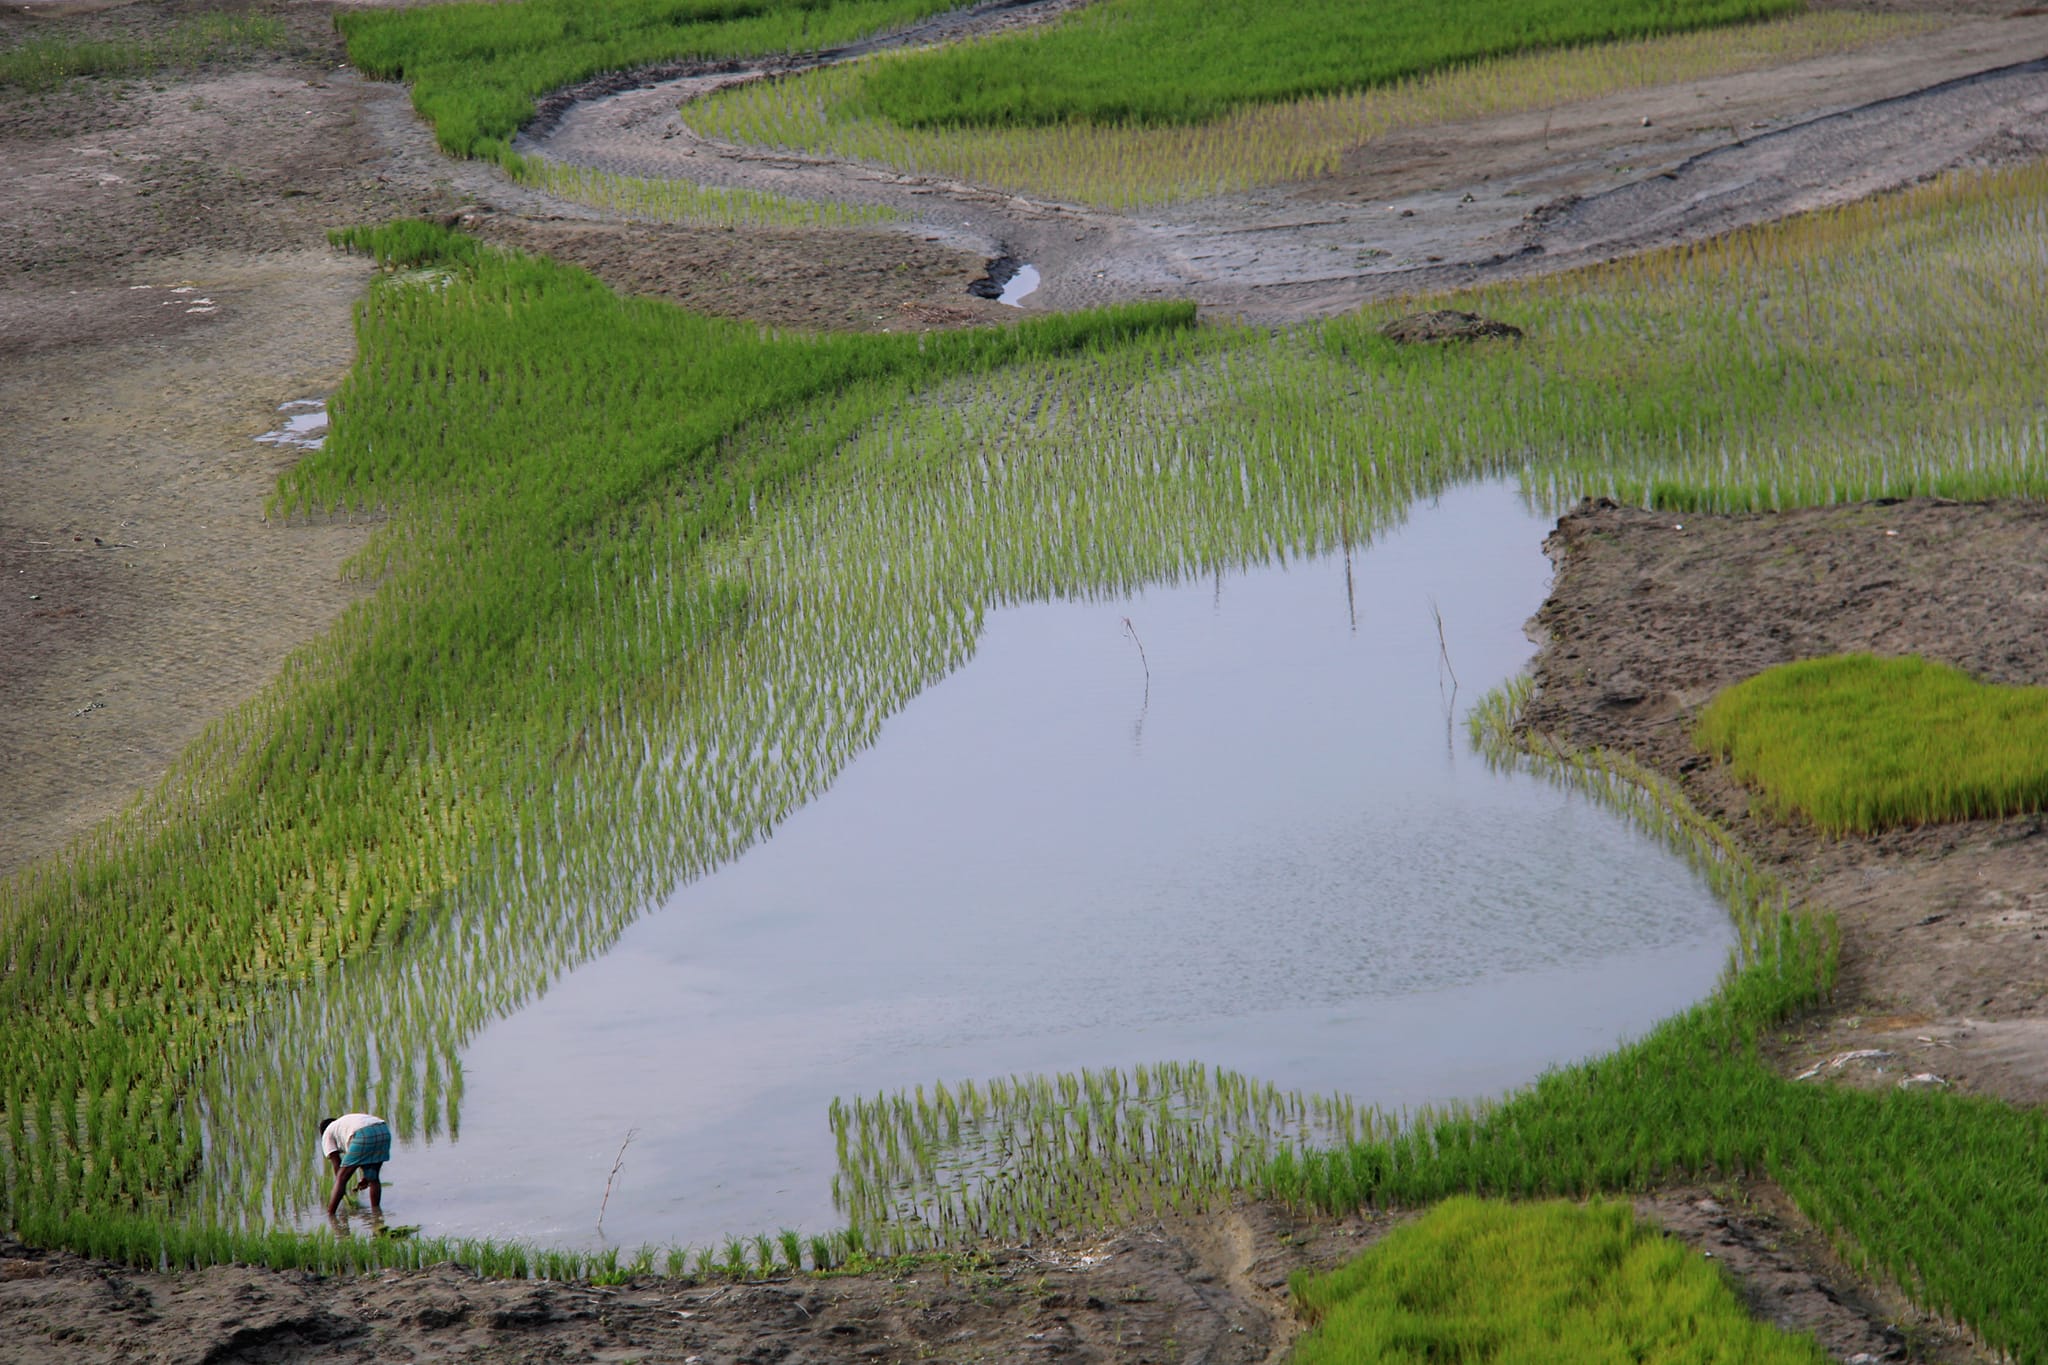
{"x":1231,"y":820}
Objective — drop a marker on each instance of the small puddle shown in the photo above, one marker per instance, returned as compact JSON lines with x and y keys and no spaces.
{"x":1008,"y":280}
{"x":305,"y":426}
{"x":1232,"y":819}
{"x":1020,"y":284}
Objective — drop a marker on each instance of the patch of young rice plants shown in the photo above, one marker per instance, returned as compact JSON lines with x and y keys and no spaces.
{"x":1188,"y":61}
{"x":1835,"y":357}
{"x":679,"y":201}
{"x":1122,"y":165}
{"x":1021,"y":1159}
{"x":45,"y":63}
{"x":1857,"y":743}
{"x":1484,"y":1280}
{"x":553,"y":457}
{"x":476,"y":69}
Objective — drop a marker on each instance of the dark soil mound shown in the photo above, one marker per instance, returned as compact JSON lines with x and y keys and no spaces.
{"x":1445,"y":324}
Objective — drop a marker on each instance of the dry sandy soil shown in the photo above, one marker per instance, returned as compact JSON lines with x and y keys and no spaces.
{"x":165,"y":286}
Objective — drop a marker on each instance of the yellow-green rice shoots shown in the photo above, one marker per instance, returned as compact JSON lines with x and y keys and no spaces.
{"x":1483,"y":1280}
{"x":1857,"y":744}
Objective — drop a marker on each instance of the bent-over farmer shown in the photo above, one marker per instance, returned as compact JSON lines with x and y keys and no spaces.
{"x":356,"y":1144}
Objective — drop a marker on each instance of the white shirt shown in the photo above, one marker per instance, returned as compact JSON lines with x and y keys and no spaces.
{"x":338,"y":1133}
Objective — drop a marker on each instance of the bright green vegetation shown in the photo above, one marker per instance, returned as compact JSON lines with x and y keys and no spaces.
{"x":45,"y":63}
{"x":1189,"y":61}
{"x":1860,"y":743}
{"x":1480,"y":1281}
{"x":825,"y":112}
{"x":646,"y":582}
{"x":476,"y":69}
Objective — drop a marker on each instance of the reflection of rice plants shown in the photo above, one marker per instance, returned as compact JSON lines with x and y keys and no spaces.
{"x":1120,"y":164}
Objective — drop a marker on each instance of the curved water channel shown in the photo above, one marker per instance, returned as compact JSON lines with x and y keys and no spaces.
{"x":1233,"y":819}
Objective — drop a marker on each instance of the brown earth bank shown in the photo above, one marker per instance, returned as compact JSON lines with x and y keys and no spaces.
{"x":1944,"y":928}
{"x":1212,"y":1289}
{"x":165,"y":286}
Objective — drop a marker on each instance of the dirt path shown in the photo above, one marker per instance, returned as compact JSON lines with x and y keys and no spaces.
{"x":1433,"y":208}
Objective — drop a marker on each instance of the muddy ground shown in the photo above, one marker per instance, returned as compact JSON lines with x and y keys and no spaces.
{"x":165,"y":286}
{"x":1944,"y":929}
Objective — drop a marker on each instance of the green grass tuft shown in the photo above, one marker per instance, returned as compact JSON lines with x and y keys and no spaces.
{"x":1856,"y":743}
{"x":1478,"y":1281}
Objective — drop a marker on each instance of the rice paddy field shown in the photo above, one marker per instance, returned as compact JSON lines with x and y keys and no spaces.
{"x":655,"y":601}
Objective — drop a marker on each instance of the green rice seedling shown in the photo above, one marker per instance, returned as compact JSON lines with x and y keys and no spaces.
{"x":733,"y":1261}
{"x":764,"y":1254}
{"x":824,"y":1256}
{"x":1857,"y":743}
{"x":1120,"y":164}
{"x":1478,"y":1280}
{"x":791,"y":1243}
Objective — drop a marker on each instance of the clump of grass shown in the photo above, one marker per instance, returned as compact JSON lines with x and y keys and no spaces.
{"x":1856,"y":743}
{"x":1123,"y":165}
{"x":1478,"y":1281}
{"x":45,"y":63}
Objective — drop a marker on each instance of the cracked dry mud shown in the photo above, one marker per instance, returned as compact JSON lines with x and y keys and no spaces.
{"x":142,"y":592}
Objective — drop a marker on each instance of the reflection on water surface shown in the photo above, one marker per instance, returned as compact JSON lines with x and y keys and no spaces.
{"x":1239,"y":828}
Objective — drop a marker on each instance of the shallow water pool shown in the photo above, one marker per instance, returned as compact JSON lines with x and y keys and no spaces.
{"x":1233,"y":820}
